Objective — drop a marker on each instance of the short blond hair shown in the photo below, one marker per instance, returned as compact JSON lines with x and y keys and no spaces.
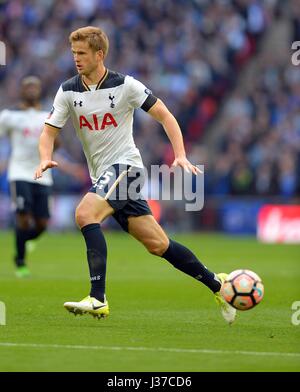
{"x":94,"y":36}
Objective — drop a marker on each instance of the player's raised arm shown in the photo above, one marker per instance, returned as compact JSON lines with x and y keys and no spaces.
{"x":160,"y":112}
{"x":46,"y":147}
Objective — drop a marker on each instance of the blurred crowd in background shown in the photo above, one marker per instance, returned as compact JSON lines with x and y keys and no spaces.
{"x":190,"y":53}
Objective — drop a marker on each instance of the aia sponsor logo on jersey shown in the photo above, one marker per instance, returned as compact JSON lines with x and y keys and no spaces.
{"x":97,"y":124}
{"x":32,"y":132}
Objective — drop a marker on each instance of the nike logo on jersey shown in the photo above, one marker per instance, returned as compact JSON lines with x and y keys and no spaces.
{"x":77,"y":103}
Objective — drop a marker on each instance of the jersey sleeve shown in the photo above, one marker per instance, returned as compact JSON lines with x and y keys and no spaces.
{"x":60,"y":110}
{"x":4,"y":122}
{"x":139,"y":96}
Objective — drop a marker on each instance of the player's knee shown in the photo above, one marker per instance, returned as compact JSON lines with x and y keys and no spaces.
{"x":83,"y":216}
{"x":157,"y":247}
{"x":23,"y":222}
{"x":41,"y":226}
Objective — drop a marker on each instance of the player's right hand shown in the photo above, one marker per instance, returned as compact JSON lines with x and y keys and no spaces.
{"x":45,"y":165}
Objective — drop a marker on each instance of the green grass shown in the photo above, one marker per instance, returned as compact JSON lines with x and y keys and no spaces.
{"x":152,"y":306}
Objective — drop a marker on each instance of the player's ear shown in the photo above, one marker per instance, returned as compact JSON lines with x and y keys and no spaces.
{"x":100,"y":54}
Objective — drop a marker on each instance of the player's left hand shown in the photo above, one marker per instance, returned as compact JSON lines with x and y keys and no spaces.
{"x":186,"y":165}
{"x":45,"y":165}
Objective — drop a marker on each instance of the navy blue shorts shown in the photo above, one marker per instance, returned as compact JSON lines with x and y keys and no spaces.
{"x":30,"y":198}
{"x":121,"y":186}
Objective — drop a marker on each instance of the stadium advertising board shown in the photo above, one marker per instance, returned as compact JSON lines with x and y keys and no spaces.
{"x":279,"y":224}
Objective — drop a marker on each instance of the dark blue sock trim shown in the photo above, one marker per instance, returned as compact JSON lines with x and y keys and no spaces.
{"x":89,"y":227}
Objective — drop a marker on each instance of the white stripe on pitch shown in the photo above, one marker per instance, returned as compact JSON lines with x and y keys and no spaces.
{"x":161,"y":349}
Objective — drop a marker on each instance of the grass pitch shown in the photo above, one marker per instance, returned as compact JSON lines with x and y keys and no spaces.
{"x":161,"y":320}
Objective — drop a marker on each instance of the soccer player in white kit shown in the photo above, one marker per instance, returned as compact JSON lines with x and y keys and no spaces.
{"x":30,"y":198}
{"x":101,"y":104}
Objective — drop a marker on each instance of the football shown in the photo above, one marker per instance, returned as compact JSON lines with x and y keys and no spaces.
{"x":243,"y":289}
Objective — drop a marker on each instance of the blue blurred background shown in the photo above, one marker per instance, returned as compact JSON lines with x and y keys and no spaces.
{"x":224,"y":69}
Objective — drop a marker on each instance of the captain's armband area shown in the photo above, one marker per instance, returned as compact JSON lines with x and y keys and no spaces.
{"x":149,"y":102}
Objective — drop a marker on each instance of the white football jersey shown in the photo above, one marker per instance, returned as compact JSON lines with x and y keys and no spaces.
{"x":103,"y":118}
{"x":24,"y":128}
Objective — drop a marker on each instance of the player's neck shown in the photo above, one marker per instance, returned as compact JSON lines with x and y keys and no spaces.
{"x":95,"y":76}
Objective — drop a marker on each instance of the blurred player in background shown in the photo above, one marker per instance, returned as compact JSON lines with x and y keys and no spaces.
{"x":101,"y":104}
{"x":30,"y":198}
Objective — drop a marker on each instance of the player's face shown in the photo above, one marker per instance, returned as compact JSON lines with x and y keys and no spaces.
{"x":86,"y":59}
{"x":31,"y":92}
